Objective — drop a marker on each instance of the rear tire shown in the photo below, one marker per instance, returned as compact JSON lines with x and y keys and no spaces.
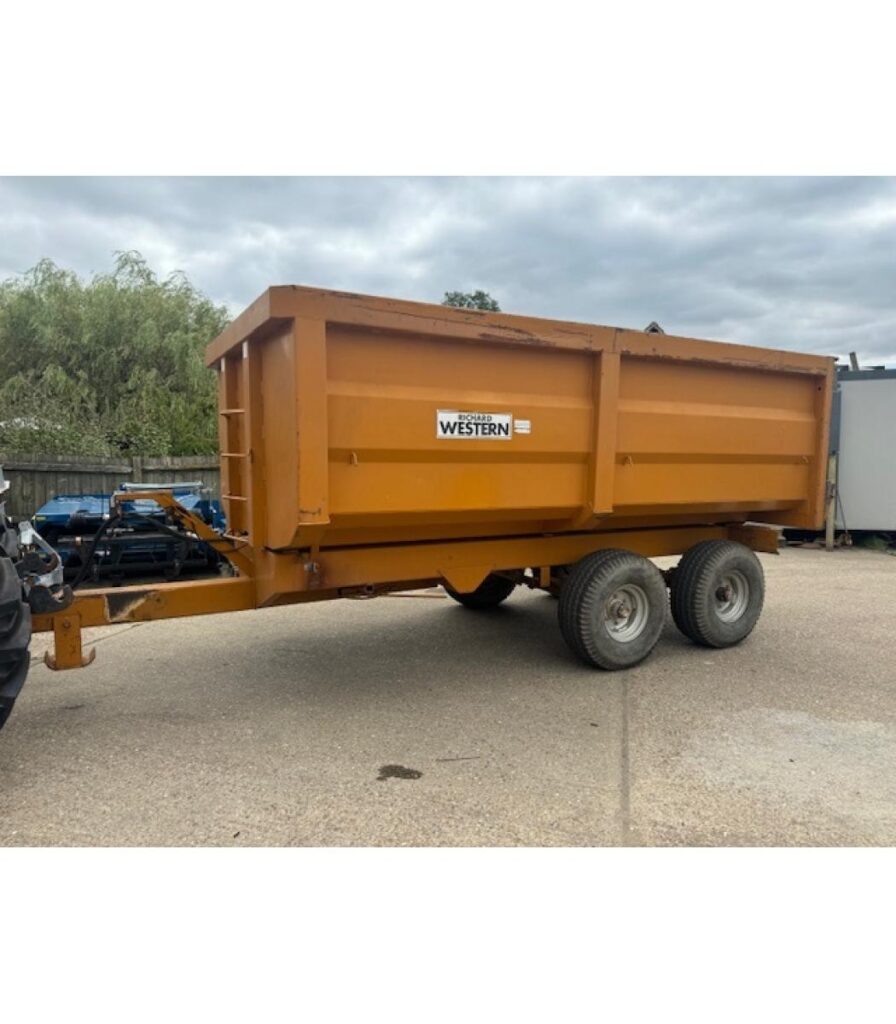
{"x":717,"y":593}
{"x":613,"y":609}
{"x":489,"y":594}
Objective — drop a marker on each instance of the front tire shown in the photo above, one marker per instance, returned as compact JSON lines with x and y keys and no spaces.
{"x":613,"y":608}
{"x":15,"y":637}
{"x":717,"y":593}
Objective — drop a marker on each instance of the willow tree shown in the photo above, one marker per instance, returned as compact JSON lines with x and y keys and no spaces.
{"x":112,"y":364}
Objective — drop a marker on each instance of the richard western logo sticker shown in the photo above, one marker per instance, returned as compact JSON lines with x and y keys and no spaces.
{"x":470,"y":426}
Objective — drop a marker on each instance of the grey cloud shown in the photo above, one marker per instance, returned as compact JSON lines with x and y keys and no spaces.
{"x":804,"y":263}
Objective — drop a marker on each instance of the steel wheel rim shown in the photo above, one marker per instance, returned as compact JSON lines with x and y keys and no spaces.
{"x":625,"y":613}
{"x":731,"y":595}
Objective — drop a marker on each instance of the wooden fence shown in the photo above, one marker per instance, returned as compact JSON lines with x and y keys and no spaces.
{"x":33,"y":480}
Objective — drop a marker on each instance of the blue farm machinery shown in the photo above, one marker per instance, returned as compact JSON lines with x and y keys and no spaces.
{"x":141,"y":540}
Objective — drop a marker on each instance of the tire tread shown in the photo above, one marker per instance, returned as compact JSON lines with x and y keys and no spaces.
{"x":694,"y":573}
{"x":576,"y":606}
{"x":489,"y":594}
{"x":15,"y":638}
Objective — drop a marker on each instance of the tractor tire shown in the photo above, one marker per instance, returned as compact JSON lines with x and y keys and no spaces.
{"x":613,"y":609}
{"x":717,"y":593}
{"x":489,"y":594}
{"x":15,"y":638}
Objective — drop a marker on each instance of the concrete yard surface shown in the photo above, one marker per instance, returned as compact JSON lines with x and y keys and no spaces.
{"x":412,"y":721}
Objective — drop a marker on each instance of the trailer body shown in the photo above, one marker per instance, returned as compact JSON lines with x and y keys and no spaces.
{"x":342,"y":465}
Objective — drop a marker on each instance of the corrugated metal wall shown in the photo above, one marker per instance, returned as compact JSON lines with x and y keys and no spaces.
{"x":34,"y":481}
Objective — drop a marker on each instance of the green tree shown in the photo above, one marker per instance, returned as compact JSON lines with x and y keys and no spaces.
{"x":107,"y":365}
{"x":471,"y":300}
{"x":50,"y":414}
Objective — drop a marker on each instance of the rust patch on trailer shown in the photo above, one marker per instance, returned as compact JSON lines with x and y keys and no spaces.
{"x":523,"y":337}
{"x":513,"y":330}
{"x":121,"y":607}
{"x":341,"y":294}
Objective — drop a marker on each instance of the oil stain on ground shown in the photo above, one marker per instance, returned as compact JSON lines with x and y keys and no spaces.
{"x":397,"y":771}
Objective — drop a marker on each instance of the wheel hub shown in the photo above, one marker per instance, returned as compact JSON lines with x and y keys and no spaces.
{"x":625,"y":613}
{"x":732,"y":595}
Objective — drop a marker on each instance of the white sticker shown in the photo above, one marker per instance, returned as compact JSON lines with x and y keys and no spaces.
{"x":522,"y":426}
{"x":452,"y":425}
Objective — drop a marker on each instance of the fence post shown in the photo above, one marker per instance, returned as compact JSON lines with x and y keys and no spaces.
{"x":831,"y":516}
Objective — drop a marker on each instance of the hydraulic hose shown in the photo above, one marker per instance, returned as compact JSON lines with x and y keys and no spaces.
{"x":87,"y":559}
{"x":152,"y":523}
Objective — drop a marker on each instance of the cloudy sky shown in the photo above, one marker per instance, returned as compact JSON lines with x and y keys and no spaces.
{"x":798,"y":263}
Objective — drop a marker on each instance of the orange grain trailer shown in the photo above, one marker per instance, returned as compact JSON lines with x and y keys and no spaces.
{"x":371,"y":445}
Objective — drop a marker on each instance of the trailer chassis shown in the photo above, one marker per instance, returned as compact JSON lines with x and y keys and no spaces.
{"x":263,"y":578}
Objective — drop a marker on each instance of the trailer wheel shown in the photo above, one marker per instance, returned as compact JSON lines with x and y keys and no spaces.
{"x":15,"y":637}
{"x":717,"y":593}
{"x":490,"y":593}
{"x":613,"y":608}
